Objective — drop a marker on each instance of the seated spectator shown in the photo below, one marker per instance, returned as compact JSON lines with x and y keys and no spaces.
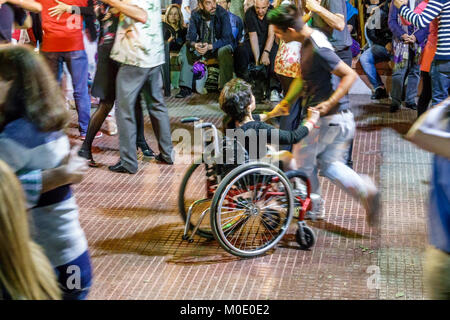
{"x":25,"y":272}
{"x":258,"y":48}
{"x":32,"y":119}
{"x":237,"y":26}
{"x":408,"y":42}
{"x":174,"y":29}
{"x":209,"y":36}
{"x":379,"y":51}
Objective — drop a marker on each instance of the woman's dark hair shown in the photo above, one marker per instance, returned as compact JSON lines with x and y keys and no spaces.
{"x":34,"y":93}
{"x":286,"y":16}
{"x":235,"y":97}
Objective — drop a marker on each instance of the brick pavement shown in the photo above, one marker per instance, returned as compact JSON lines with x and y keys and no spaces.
{"x":134,"y":228}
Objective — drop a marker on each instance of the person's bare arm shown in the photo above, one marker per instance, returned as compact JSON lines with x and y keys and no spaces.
{"x":265,"y":56}
{"x":129,"y":10}
{"x":335,"y":21}
{"x":348,"y":77}
{"x":254,"y":44}
{"x":29,"y":5}
{"x":71,"y":171}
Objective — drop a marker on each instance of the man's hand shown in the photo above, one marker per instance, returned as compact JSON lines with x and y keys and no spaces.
{"x":324,"y":107}
{"x":265,"y":59}
{"x":313,"y":5}
{"x":74,"y":167}
{"x":201,"y":48}
{"x":399,"y":3}
{"x":281,"y":109}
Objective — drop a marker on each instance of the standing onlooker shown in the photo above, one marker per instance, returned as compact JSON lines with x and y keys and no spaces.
{"x":139,"y":47}
{"x":32,"y":121}
{"x":432,"y":133}
{"x":63,"y":42}
{"x":25,"y":272}
{"x":441,"y":65}
{"x":408,"y":42}
{"x":9,"y":14}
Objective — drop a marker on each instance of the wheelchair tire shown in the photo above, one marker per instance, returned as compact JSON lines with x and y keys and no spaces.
{"x":184,"y":201}
{"x":251,"y":209}
{"x":310,"y":238}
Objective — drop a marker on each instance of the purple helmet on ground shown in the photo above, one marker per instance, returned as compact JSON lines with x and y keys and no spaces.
{"x":199,"y":70}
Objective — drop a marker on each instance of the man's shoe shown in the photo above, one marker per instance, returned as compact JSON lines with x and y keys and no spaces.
{"x":160,"y":159}
{"x":119,"y":168}
{"x":411,"y":106}
{"x":372,"y":203}
{"x":394,"y":108}
{"x":184,"y":92}
{"x":379,"y":93}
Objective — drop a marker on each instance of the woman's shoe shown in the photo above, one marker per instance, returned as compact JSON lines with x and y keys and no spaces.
{"x":146,"y":150}
{"x":88,"y":155}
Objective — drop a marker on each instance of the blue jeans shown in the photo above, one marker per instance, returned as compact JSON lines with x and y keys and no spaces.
{"x":369,"y":58}
{"x":325,"y":149}
{"x":75,"y":277}
{"x":440,"y":80}
{"x":412,"y":71}
{"x":77,"y":63}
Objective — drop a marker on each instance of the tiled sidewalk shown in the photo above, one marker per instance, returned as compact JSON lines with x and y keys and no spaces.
{"x":134,"y":228}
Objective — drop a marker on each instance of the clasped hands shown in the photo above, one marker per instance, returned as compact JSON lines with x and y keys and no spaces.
{"x":202,"y":48}
{"x":282,"y":109}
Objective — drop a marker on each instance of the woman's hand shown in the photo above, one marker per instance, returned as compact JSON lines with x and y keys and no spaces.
{"x":59,"y":9}
{"x":399,"y":3}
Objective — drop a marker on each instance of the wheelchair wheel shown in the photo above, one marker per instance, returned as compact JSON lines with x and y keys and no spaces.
{"x":252,"y":209}
{"x":194,"y":191}
{"x":310,"y":237}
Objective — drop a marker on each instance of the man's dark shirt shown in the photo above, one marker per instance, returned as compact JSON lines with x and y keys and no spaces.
{"x":254,"y":24}
{"x":317,"y":61}
{"x":220,"y":23}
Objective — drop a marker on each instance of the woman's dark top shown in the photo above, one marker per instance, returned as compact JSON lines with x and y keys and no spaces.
{"x":179,"y":37}
{"x":284,"y":136}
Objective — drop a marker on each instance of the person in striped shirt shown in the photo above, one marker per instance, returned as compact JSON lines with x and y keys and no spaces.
{"x":440,"y":69}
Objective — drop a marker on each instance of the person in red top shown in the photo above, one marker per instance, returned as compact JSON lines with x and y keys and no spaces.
{"x":63,"y":42}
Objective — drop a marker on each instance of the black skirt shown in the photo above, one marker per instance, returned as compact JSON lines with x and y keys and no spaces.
{"x":104,"y":86}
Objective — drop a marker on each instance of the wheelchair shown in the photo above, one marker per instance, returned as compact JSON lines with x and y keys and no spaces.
{"x":250,"y":206}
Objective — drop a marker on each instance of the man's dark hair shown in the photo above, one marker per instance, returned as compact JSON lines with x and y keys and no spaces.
{"x":286,"y":16}
{"x":235,"y":97}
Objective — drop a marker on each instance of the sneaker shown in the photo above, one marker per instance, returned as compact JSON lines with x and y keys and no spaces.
{"x":317,"y":211}
{"x":379,"y":93}
{"x":275,"y":96}
{"x":111,"y":126}
{"x":372,"y":203}
{"x":97,"y":135}
{"x":184,"y":92}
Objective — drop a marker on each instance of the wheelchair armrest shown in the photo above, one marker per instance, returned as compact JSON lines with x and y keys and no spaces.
{"x":190,"y":119}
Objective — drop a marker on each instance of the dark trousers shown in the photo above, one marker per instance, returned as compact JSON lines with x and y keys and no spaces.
{"x":425,"y":95}
{"x":291,"y":121}
{"x":243,"y":57}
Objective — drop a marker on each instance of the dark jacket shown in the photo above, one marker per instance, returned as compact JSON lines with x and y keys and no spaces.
{"x":397,"y":30}
{"x":179,"y":37}
{"x":221,"y":28}
{"x":381,"y":36}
